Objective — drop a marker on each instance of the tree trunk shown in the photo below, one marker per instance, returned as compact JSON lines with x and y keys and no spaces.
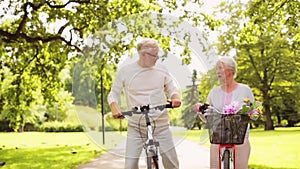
{"x":269,"y":123}
{"x":278,"y":118}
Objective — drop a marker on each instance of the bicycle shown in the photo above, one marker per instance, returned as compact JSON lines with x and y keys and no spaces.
{"x":227,"y":130}
{"x":151,"y":146}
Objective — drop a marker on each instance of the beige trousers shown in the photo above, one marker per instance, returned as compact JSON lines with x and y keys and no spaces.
{"x":134,"y":147}
{"x":242,"y":155}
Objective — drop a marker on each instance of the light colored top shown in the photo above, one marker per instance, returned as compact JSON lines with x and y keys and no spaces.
{"x":218,"y":98}
{"x":144,"y":86}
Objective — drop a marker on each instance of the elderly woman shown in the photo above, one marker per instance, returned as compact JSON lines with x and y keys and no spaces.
{"x":230,"y":91}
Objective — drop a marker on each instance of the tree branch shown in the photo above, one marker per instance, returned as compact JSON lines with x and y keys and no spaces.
{"x":10,"y":37}
{"x":253,"y":64}
{"x":64,"y":5}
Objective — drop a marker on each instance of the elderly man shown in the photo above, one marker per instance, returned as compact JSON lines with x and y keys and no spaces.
{"x":146,"y":82}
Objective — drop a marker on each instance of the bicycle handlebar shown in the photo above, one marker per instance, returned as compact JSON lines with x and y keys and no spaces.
{"x":144,"y":109}
{"x":203,"y":108}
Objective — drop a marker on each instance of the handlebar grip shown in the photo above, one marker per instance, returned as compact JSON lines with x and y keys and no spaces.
{"x":128,"y":113}
{"x":169,"y":105}
{"x":203,"y":108}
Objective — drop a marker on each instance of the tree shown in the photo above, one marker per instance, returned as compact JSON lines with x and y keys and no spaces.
{"x":35,"y":53}
{"x":265,"y":38}
{"x":39,"y":39}
{"x":190,"y":97}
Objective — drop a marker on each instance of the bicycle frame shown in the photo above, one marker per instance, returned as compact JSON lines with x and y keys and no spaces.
{"x":151,"y":146}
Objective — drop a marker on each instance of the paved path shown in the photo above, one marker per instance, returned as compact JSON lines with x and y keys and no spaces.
{"x":191,"y":156}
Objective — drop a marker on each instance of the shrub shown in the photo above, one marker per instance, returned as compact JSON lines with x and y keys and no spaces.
{"x":4,"y":126}
{"x":60,"y":127}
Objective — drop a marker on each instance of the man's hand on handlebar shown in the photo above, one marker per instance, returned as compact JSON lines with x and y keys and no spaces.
{"x":116,"y":112}
{"x":175,"y":103}
{"x":118,"y":115}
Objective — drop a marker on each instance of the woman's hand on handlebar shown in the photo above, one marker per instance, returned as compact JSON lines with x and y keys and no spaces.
{"x":201,"y":108}
{"x":196,"y":107}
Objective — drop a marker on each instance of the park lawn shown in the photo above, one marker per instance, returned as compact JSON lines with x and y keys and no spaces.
{"x":270,"y":149}
{"x":278,"y":149}
{"x":37,"y":150}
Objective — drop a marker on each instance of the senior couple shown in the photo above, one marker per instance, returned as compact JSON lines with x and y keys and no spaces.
{"x":147,"y":81}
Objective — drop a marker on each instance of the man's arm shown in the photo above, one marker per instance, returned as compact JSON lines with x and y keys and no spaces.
{"x":116,"y":111}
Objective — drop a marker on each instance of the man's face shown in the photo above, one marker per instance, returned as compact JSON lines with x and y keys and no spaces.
{"x":150,"y":57}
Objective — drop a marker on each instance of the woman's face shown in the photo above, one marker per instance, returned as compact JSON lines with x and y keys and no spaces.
{"x":224,"y":72}
{"x":149,"y":57}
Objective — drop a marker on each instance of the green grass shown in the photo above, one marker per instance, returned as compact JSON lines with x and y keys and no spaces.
{"x":46,"y":150}
{"x":278,"y":149}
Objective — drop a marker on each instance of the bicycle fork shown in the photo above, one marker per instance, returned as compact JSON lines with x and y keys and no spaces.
{"x":227,"y":156}
{"x":151,"y":149}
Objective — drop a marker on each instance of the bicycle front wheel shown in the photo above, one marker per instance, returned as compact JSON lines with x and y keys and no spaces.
{"x":226,"y":159}
{"x":152,"y":162}
{"x":149,"y":162}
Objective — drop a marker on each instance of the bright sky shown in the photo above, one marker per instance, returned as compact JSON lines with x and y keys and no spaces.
{"x":200,"y":62}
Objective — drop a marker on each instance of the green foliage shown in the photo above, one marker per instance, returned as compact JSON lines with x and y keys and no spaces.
{"x":60,"y":127}
{"x":174,"y":115}
{"x":36,"y":56}
{"x":263,"y":35}
{"x":207,"y":82}
{"x":191,"y":96}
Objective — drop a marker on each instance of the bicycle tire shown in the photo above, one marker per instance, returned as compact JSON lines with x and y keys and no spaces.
{"x":226,"y":159}
{"x":155,"y":162}
{"x":149,"y":162}
{"x":152,"y":162}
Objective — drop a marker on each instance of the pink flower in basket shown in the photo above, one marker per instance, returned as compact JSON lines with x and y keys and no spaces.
{"x":252,"y":108}
{"x":256,"y":108}
{"x":248,"y":108}
{"x":232,"y":108}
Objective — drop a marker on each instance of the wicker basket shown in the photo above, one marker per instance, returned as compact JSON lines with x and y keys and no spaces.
{"x":227,"y":129}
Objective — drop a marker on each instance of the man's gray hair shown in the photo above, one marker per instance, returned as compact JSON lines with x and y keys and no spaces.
{"x":231,"y":63}
{"x":147,"y":44}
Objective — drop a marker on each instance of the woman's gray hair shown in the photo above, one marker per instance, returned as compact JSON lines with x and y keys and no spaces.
{"x":231,"y":63}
